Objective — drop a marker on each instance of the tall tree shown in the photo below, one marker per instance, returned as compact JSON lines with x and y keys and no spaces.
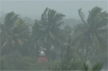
{"x":14,"y":32}
{"x":47,"y":30}
{"x":88,"y":34}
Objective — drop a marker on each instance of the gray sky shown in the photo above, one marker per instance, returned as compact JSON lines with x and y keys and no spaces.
{"x":34,"y":8}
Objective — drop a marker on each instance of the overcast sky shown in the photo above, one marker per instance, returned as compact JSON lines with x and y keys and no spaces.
{"x":34,"y":8}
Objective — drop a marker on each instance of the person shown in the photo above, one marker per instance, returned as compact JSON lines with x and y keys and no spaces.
{"x":42,"y":60}
{"x":42,"y":57}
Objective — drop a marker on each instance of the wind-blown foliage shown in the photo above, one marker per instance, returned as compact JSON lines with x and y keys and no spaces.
{"x":95,"y":67}
{"x":47,"y":30}
{"x":87,"y":40}
{"x":88,"y":34}
{"x":14,"y":35}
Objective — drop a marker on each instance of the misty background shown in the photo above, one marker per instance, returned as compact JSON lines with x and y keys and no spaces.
{"x":31,"y":10}
{"x":34,"y":8}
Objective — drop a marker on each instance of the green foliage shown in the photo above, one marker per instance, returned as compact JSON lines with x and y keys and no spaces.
{"x":10,"y":19}
{"x":96,"y":67}
{"x":16,"y":61}
{"x":73,"y":64}
{"x":14,"y":38}
{"x":46,"y":32}
{"x":87,"y":35}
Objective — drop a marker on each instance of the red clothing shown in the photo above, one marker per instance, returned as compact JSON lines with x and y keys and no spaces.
{"x":42,"y":59}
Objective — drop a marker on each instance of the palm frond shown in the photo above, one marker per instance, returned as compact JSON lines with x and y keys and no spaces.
{"x":10,"y":20}
{"x":82,"y":41}
{"x":102,"y":30}
{"x":97,"y":67}
{"x":81,"y":15}
{"x":102,"y":43}
{"x":51,"y":34}
{"x":85,"y":67}
{"x":44,"y":15}
{"x":58,"y":17}
{"x":94,"y":12}
{"x":5,"y":43}
{"x":77,"y":36}
{"x":80,"y":28}
{"x":103,"y":22}
{"x":94,"y":16}
{"x":51,"y":15}
{"x":37,"y":22}
{"x":97,"y":42}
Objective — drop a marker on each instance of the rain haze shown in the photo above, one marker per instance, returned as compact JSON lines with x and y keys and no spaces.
{"x":54,"y":35}
{"x":34,"y":8}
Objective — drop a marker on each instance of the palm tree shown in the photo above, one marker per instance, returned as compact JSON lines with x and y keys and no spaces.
{"x":47,"y":30}
{"x":88,"y":34}
{"x":7,"y":27}
{"x":96,"y":67}
{"x":15,"y":34}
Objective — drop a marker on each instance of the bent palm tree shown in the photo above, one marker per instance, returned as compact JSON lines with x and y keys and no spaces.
{"x":88,"y":34}
{"x":15,"y":34}
{"x":47,"y":29}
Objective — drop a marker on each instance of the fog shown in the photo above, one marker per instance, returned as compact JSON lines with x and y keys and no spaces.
{"x":34,"y":8}
{"x":39,"y":28}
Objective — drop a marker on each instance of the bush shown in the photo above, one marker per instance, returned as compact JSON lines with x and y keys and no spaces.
{"x":74,"y":64}
{"x":16,"y":61}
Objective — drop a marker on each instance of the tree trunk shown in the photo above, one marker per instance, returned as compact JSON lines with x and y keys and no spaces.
{"x":86,"y":56}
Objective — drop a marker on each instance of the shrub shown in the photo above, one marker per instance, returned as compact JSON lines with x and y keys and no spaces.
{"x":16,"y":61}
